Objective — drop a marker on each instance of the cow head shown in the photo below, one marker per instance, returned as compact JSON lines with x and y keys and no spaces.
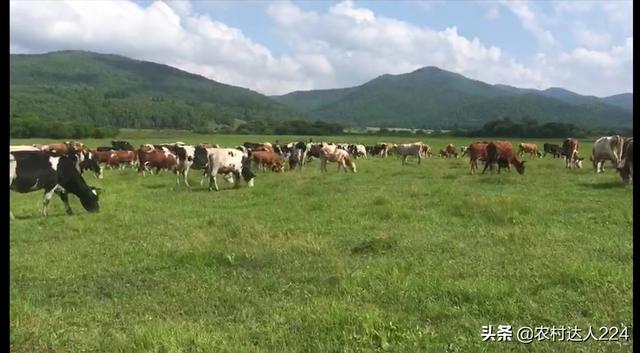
{"x":247,"y":173}
{"x":519,"y":166}
{"x":91,"y":163}
{"x":200,"y":157}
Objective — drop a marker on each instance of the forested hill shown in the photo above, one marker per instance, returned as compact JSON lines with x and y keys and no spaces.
{"x":433,"y":98}
{"x":112,"y":90}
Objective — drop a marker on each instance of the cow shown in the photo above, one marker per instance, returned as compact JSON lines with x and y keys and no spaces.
{"x":338,"y":155}
{"x":381,"y":149}
{"x":160,"y":159}
{"x":122,"y":145}
{"x":625,"y":167}
{"x":298,"y":154}
{"x":530,"y":148}
{"x":448,"y":151}
{"x":570,"y":152}
{"x":185,"y":154}
{"x":91,"y":163}
{"x":409,"y":149}
{"x":253,"y":146}
{"x":501,"y":152}
{"x":607,"y":148}
{"x":101,"y":156}
{"x":477,"y":151}
{"x":426,"y":150}
{"x":228,"y":160}
{"x":357,"y":151}
{"x":67,"y":148}
{"x":552,"y":149}
{"x":263,"y":159}
{"x":201,"y":160}
{"x":122,"y":158}
{"x":35,"y":170}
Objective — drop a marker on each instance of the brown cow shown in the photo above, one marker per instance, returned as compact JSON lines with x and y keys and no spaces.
{"x":122,"y":158}
{"x":449,"y":151}
{"x":270,"y":159}
{"x":530,"y":148}
{"x":501,"y":152}
{"x":100,"y":156}
{"x":160,"y":159}
{"x":476,"y":151}
{"x":570,"y":152}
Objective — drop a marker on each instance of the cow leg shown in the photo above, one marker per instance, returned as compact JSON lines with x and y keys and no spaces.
{"x":186,"y":177}
{"x":47,"y":198}
{"x":236,"y":183}
{"x":213,"y":184}
{"x":404,"y":159}
{"x":64,"y":196}
{"x":419,"y":159}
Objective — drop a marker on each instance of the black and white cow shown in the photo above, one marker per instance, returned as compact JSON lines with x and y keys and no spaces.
{"x":298,"y":155}
{"x":185,"y":155}
{"x":122,"y":146}
{"x":228,"y":161}
{"x":35,"y":170}
{"x":91,"y":163}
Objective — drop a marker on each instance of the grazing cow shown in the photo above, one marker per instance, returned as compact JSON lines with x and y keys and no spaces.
{"x":160,"y":159}
{"x":121,"y":158}
{"x":501,"y":152}
{"x":410,"y":149}
{"x":477,"y":151}
{"x":552,"y":149}
{"x":338,"y":155}
{"x":263,"y":159}
{"x":449,"y":151}
{"x":607,"y":148}
{"x":530,"y":148}
{"x":625,"y":168}
{"x":35,"y":170}
{"x":91,"y":163}
{"x":122,"y":145}
{"x":357,"y":151}
{"x":227,"y":160}
{"x":570,"y":152}
{"x":201,"y":160}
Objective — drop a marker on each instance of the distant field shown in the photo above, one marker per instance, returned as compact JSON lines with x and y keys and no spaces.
{"x":413,"y":258}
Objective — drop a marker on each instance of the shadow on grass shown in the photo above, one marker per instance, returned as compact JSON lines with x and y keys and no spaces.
{"x":374,"y":246}
{"x":39,"y":216}
{"x":604,"y":186}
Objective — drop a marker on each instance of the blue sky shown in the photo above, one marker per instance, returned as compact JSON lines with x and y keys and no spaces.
{"x":275,"y":47}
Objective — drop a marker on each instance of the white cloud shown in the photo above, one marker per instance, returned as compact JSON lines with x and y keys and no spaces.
{"x":588,"y":38}
{"x":529,"y":21}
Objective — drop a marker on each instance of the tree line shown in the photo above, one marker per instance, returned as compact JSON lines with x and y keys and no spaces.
{"x":31,"y":126}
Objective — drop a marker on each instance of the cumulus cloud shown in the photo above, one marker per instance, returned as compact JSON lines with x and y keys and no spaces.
{"x":589,"y":38}
{"x":343,"y":46}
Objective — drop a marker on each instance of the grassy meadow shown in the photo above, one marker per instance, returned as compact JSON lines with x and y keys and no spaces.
{"x":394,"y":258}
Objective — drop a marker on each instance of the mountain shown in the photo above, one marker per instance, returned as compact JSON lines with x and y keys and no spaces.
{"x":624,"y":100}
{"x":117,"y":91}
{"x":433,"y":98}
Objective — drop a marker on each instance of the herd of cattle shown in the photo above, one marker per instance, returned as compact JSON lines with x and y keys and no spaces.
{"x":58,"y":168}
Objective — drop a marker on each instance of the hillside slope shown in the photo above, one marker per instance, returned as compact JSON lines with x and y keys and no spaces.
{"x":118,"y":91}
{"x":433,"y":98}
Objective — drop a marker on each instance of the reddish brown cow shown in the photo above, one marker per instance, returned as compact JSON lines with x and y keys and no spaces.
{"x":570,"y":152}
{"x":501,"y":152}
{"x":270,"y":159}
{"x":149,"y":158}
{"x":530,"y":148}
{"x":476,"y":151}
{"x":122,"y":158}
{"x":101,"y":156}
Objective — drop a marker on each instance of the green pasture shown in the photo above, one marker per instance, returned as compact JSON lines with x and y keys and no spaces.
{"x":413,"y":258}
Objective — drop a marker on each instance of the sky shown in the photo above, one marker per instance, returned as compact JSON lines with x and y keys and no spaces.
{"x":276,"y":47}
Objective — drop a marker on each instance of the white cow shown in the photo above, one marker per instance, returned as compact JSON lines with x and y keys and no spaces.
{"x":185,"y":154}
{"x":607,"y":148}
{"x":410,"y":149}
{"x":340,"y":156}
{"x":228,"y":160}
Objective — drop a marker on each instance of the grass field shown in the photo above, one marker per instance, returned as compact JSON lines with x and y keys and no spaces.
{"x":413,"y":258}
